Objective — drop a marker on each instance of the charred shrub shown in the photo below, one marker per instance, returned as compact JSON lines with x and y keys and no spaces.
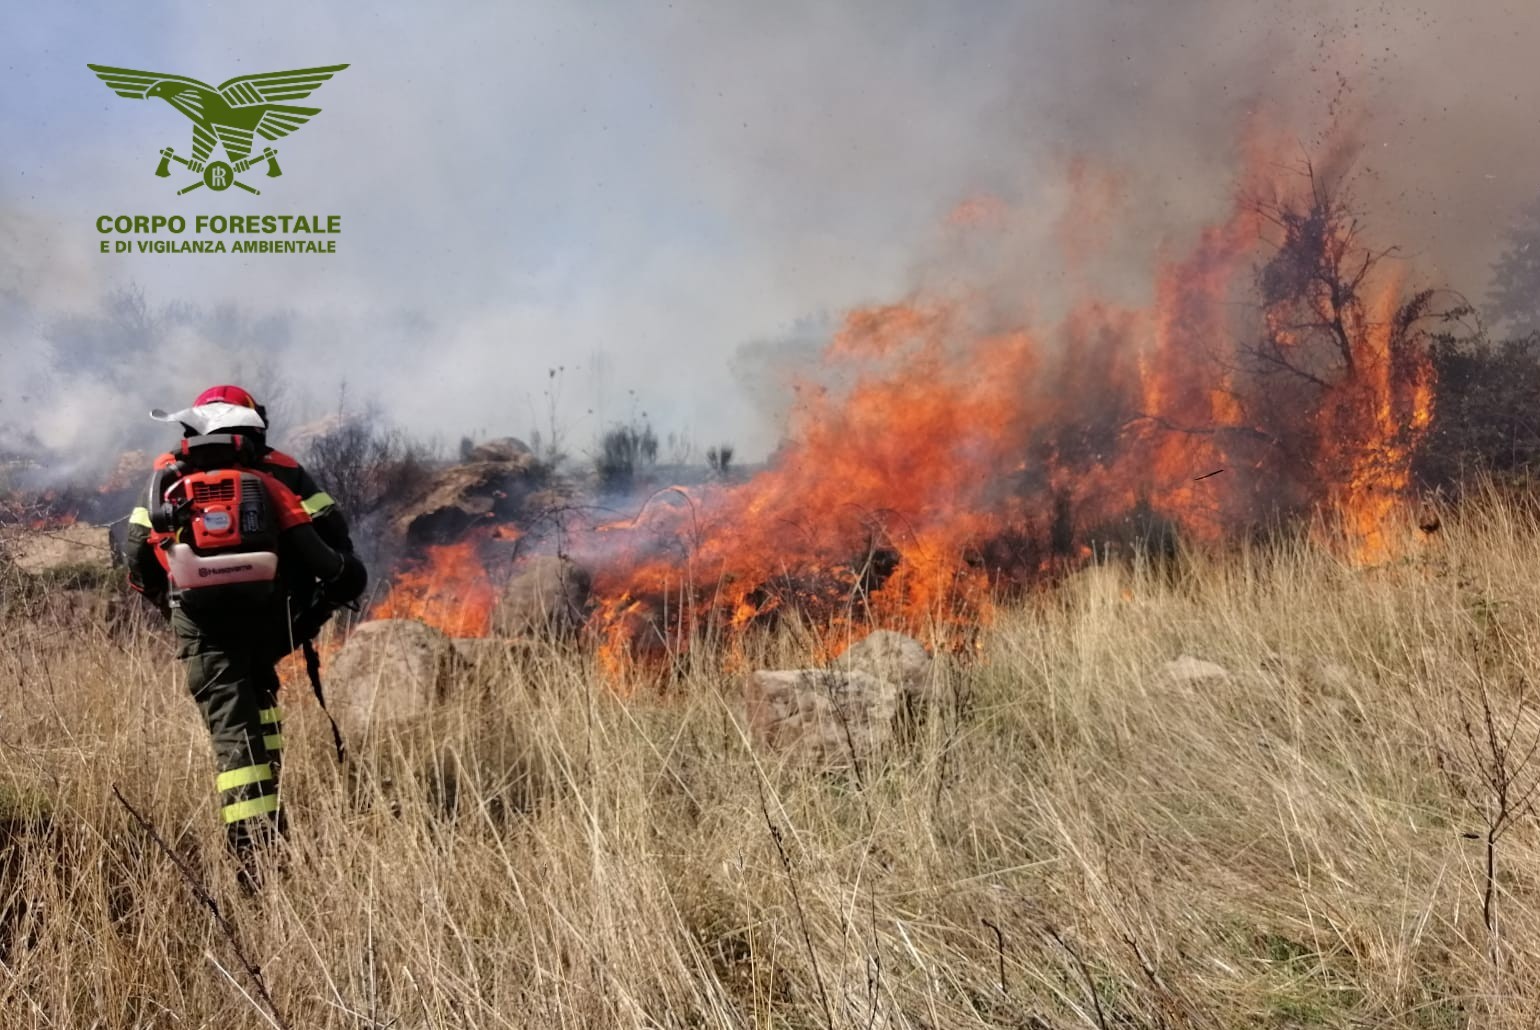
{"x":623,"y":450}
{"x":1485,"y":421}
{"x":363,"y":462}
{"x":720,"y":458}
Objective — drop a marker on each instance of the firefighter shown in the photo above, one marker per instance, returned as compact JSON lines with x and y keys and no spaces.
{"x":230,"y":646}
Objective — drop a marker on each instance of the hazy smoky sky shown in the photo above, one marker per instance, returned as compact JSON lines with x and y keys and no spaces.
{"x":640,"y":193}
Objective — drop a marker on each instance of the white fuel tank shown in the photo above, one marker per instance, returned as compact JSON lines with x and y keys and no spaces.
{"x":193,"y":571}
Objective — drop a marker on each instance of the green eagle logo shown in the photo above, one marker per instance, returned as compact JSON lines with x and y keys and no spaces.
{"x":231,"y":115}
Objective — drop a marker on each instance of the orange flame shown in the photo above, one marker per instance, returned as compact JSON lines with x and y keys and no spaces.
{"x":957,"y":439}
{"x":449,"y":588}
{"x":941,"y":453}
{"x":1380,"y":416}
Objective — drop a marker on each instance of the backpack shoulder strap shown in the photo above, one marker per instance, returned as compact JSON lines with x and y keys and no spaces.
{"x":287,"y":508}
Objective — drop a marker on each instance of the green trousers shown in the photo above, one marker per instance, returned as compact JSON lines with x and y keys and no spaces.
{"x":231,"y":676}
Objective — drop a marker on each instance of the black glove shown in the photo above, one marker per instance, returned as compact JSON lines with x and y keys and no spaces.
{"x":308,"y":622}
{"x":346,"y":586}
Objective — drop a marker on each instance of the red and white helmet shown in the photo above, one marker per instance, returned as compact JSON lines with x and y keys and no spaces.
{"x":218,"y":409}
{"x":227,"y":394}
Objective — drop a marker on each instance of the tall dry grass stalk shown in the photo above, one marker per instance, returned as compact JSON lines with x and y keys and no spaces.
{"x":1073,"y":838}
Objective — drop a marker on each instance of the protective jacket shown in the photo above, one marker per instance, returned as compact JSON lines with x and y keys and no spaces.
{"x":146,"y":558}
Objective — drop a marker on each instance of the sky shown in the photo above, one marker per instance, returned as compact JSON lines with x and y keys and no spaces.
{"x":673,"y":202}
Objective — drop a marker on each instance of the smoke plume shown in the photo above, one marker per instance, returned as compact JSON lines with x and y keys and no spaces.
{"x":655,"y":199}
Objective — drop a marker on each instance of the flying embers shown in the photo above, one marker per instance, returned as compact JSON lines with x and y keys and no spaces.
{"x":231,"y":113}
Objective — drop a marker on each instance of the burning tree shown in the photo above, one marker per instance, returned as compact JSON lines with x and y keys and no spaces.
{"x":1340,"y":341}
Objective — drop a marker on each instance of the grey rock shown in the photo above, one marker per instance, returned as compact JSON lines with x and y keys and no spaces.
{"x":504,"y":449}
{"x":823,"y":717}
{"x":390,"y":670}
{"x":899,"y":659}
{"x":78,"y":546}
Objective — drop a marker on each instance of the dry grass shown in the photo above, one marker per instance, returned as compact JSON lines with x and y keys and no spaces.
{"x":1073,"y":839}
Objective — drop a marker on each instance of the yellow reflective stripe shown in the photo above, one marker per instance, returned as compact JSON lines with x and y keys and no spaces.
{"x":317,"y":503}
{"x":246,"y":809}
{"x":244,"y":776}
{"x":139,"y":517}
{"x":271,"y":715}
{"x":274,"y":741}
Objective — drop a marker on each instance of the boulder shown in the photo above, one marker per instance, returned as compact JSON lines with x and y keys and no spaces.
{"x":389,"y":670}
{"x":823,"y":717}
{"x":894,"y":657}
{"x":64,"y":551}
{"x":504,"y":449}
{"x":547,"y":598}
{"x":452,"y":499}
